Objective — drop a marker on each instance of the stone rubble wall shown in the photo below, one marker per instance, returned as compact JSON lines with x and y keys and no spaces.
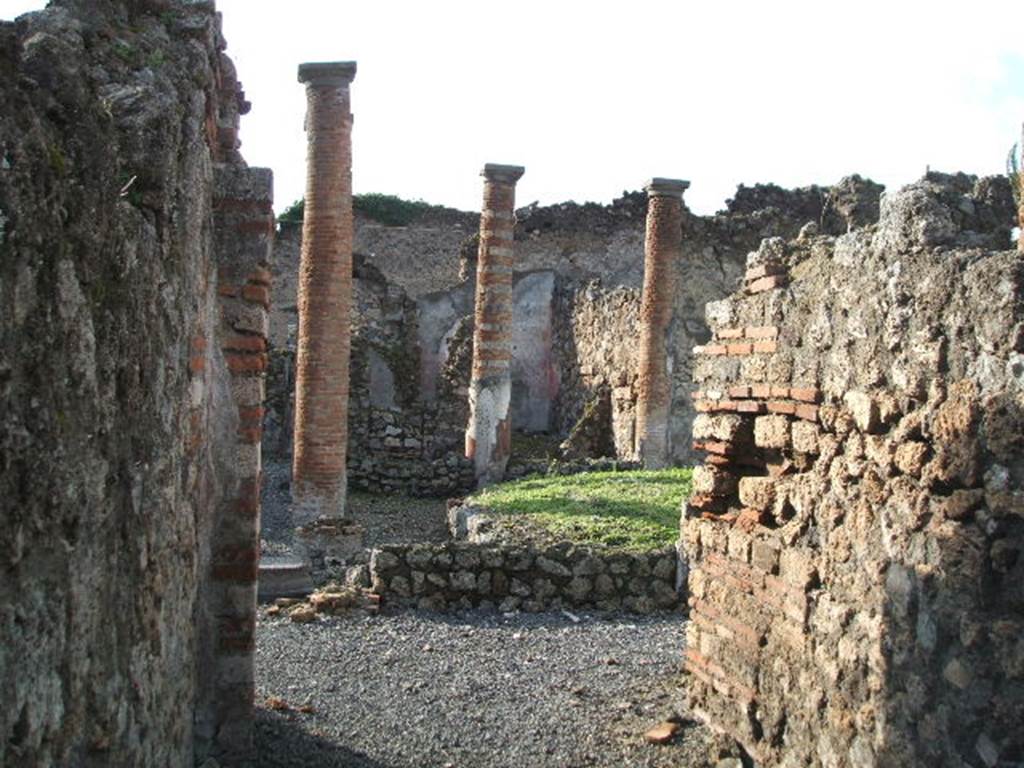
{"x":854,"y":538}
{"x":129,"y":464}
{"x":591,"y":323}
{"x":509,"y":577}
{"x":595,"y":253}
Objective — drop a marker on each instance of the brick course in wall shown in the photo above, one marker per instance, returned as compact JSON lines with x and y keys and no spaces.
{"x":243,"y":223}
{"x":854,"y":599}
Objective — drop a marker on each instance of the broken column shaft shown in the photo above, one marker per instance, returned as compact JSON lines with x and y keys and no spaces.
{"x":489,"y":434}
{"x":325,"y":296}
{"x":662,"y":251}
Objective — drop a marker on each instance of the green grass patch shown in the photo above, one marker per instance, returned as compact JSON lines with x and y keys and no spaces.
{"x":626,"y":510}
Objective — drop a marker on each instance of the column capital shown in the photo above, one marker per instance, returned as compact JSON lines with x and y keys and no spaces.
{"x":507,"y":174}
{"x":327,"y":73}
{"x":658,"y":187}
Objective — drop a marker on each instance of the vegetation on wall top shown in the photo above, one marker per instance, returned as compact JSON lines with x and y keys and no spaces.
{"x":389,"y":210}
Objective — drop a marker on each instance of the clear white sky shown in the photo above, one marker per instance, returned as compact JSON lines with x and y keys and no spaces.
{"x":593,"y":97}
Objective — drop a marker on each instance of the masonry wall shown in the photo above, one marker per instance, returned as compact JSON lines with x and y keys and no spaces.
{"x":579,"y":265}
{"x":508,"y":577}
{"x":120,"y":429}
{"x":855,"y":534}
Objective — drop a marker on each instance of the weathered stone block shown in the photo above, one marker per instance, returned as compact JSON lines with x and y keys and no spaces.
{"x":805,"y":436}
{"x":911,"y":457}
{"x":553,"y":567}
{"x":771,"y":431}
{"x":713,"y":481}
{"x":463,"y":581}
{"x":757,"y":492}
{"x":864,"y":411}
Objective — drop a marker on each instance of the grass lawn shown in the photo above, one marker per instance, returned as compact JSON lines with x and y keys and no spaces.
{"x":628,"y":510}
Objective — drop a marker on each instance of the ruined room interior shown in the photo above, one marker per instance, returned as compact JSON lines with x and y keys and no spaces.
{"x":254,"y":456}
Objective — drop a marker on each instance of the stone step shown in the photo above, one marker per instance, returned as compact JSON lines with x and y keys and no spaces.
{"x":283,"y":576}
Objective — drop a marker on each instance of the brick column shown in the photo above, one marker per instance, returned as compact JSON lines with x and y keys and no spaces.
{"x":488,"y":436}
{"x":325,"y":297}
{"x":662,"y":250}
{"x":244,"y":233}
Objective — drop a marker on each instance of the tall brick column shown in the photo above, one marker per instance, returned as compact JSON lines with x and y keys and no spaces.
{"x":662,"y":250}
{"x":325,"y":296}
{"x":489,"y":434}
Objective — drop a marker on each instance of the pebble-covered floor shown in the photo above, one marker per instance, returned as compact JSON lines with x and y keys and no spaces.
{"x":415,"y":690}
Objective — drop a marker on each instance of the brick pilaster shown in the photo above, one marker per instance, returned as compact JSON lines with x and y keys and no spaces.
{"x":662,"y":251}
{"x":489,"y":433}
{"x":325,"y":297}
{"x":244,"y":232}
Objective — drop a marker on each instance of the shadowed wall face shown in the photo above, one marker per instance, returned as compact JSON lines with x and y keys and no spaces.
{"x":662,"y":250}
{"x":324,"y":297}
{"x":488,"y":436}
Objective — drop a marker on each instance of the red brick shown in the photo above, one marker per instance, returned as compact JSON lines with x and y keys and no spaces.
{"x":250,"y":435}
{"x":240,"y":364}
{"x":721,"y":448}
{"x":762,"y":332}
{"x":750,"y":406}
{"x":779,"y":392}
{"x":782,"y":406}
{"x":739,"y":391}
{"x":225,"y":289}
{"x":199,"y":344}
{"x":807,"y":412}
{"x":737,"y":350}
{"x":750,"y":518}
{"x":261,"y":276}
{"x":760,"y":390}
{"x":239,"y":343}
{"x":257,"y":294}
{"x":196,"y":364}
{"x":767,"y":284}
{"x":707,"y":503}
{"x":729,"y":333}
{"x":765,"y":347}
{"x":805,"y":394}
{"x":251,"y":415}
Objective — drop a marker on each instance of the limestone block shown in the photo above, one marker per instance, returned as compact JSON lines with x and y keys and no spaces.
{"x":724,"y":427}
{"x":864,"y":411}
{"x":771,"y":431}
{"x":757,"y":492}
{"x":805,"y":436}
{"x":714,"y":481}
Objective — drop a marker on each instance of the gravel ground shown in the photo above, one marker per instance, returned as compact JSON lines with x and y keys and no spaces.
{"x":417,"y":690}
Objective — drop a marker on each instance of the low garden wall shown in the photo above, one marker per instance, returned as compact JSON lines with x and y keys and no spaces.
{"x":462,"y":575}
